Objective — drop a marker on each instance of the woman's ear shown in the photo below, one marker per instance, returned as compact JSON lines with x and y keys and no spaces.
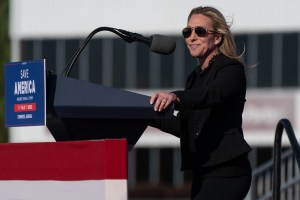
{"x":218,"y":39}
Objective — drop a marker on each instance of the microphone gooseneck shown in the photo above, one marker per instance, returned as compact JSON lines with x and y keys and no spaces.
{"x":156,"y":43}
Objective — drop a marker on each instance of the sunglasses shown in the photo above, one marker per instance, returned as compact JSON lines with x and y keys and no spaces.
{"x":200,"y":31}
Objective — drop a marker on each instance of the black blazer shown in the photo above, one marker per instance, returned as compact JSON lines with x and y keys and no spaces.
{"x":215,"y":110}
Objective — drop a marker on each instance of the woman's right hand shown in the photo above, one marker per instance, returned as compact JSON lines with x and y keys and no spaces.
{"x":162,"y":100}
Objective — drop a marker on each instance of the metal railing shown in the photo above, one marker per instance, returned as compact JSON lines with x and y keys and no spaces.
{"x":262,"y":180}
{"x":283,"y":124}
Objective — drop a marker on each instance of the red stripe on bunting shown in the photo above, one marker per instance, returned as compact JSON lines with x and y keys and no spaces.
{"x":79,"y":160}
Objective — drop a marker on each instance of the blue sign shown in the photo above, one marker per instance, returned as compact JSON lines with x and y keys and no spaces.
{"x":25,"y":93}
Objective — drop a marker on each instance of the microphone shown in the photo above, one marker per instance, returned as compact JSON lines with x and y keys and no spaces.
{"x":157,"y":43}
{"x":162,"y":44}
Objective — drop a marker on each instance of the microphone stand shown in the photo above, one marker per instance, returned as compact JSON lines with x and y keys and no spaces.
{"x":125,"y":35}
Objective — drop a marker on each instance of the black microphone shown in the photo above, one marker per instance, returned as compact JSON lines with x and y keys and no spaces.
{"x":160,"y":44}
{"x":156,"y":43}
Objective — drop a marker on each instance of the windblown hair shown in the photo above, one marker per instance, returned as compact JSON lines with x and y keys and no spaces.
{"x":227,"y":46}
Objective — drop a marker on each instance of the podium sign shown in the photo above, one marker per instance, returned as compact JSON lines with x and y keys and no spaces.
{"x":25,"y":103}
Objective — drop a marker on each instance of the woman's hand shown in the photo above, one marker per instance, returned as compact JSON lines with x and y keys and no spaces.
{"x":161,"y":100}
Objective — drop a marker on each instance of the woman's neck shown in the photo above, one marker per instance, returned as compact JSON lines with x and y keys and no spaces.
{"x":204,"y":62}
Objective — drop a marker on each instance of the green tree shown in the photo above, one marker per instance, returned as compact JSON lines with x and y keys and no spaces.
{"x":4,"y":57}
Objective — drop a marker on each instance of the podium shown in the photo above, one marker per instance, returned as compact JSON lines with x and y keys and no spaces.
{"x":94,"y":126}
{"x":79,"y":110}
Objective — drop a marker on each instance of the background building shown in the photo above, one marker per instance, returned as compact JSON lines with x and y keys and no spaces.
{"x":268,"y":30}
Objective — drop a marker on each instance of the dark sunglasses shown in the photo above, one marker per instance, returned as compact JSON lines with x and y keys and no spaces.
{"x":200,"y":31}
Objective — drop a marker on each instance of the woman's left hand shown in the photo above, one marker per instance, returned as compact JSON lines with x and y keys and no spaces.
{"x":161,"y":100}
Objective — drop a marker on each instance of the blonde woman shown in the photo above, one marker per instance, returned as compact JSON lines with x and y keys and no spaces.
{"x":209,"y":121}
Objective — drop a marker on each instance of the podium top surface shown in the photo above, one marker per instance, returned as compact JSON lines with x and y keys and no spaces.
{"x":72,"y":98}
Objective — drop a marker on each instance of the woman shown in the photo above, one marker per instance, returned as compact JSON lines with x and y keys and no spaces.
{"x":209,"y":121}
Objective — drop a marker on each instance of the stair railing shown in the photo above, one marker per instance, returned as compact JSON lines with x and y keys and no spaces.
{"x":283,"y":124}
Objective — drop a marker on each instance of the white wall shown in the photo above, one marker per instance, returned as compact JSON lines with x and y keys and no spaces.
{"x":66,"y":18}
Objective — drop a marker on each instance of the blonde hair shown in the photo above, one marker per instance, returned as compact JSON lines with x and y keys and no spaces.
{"x":227,"y":46}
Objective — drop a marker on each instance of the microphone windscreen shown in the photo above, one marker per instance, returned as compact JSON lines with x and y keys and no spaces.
{"x":162,"y":44}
